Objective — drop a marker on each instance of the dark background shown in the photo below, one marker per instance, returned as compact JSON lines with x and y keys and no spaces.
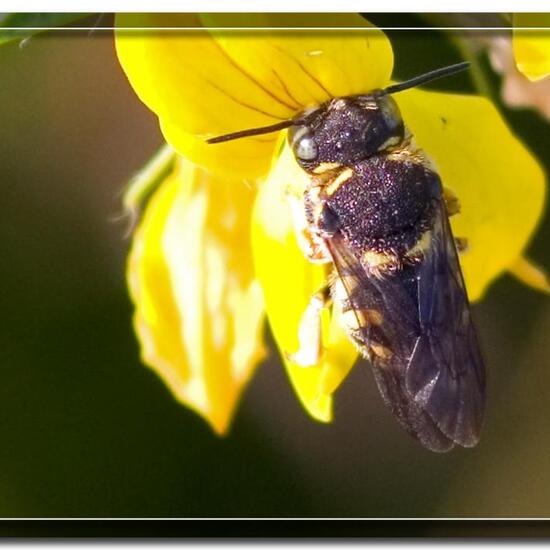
{"x":87,"y":431}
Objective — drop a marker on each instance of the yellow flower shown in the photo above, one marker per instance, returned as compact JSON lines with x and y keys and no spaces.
{"x":199,"y":309}
{"x":217,"y":242}
{"x":532,"y":47}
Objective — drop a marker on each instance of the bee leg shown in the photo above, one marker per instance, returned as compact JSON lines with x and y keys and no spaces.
{"x":313,"y":248}
{"x":309,"y":331}
{"x":461,"y":244}
{"x":452,"y":203}
{"x":310,"y":244}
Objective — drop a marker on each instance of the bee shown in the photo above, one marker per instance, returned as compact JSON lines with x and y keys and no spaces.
{"x":375,"y":209}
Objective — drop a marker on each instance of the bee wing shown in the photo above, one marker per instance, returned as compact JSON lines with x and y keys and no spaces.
{"x":423,"y":346}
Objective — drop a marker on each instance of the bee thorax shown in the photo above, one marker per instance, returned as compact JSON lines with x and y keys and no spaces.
{"x":383,"y":206}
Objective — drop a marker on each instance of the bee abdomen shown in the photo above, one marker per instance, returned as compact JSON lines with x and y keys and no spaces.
{"x":360,"y":319}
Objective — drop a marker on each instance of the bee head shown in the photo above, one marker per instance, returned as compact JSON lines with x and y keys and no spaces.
{"x":346,"y":130}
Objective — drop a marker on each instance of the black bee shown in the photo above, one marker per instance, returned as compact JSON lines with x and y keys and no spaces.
{"x":376,"y":209}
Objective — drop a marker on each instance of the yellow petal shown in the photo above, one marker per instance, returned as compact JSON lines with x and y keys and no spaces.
{"x":307,"y":67}
{"x":499,"y":184}
{"x":199,"y":309}
{"x":197,"y":92}
{"x":288,"y":281}
{"x":530,"y":274}
{"x":532,"y":47}
{"x":243,"y":159}
{"x":202,"y":85}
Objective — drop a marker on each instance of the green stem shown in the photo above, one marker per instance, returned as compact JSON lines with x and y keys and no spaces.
{"x":146,"y":181}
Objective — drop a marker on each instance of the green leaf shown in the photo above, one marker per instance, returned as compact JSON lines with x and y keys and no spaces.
{"x":18,"y":26}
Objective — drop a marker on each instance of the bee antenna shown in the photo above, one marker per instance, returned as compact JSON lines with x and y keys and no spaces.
{"x":426,"y":77}
{"x":254,"y":131}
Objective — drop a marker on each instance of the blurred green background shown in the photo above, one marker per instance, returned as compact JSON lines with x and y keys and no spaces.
{"x":87,"y":431}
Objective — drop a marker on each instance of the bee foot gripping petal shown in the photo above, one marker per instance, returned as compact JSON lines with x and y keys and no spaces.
{"x":452,"y":204}
{"x":461,"y":244}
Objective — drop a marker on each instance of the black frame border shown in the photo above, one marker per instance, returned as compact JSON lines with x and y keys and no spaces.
{"x":305,"y":529}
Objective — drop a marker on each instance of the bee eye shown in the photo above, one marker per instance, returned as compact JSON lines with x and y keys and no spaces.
{"x":390,"y":112}
{"x":306,"y":149}
{"x":303,"y":145}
